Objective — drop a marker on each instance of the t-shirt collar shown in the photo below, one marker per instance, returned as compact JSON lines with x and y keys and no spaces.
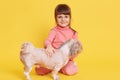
{"x":63,"y":28}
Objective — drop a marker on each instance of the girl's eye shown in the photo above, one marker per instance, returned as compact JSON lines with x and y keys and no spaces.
{"x":59,"y":16}
{"x":66,"y":16}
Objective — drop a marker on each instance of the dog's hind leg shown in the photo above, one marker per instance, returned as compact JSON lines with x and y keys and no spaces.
{"x":27,"y":71}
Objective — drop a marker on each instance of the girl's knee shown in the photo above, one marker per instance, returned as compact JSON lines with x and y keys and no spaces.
{"x":69,"y":71}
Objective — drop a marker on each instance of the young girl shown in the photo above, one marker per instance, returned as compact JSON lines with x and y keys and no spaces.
{"x":58,"y":35}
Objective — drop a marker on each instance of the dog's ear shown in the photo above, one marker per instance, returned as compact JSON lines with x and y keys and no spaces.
{"x":72,"y":51}
{"x":75,"y":48}
{"x":80,"y":46}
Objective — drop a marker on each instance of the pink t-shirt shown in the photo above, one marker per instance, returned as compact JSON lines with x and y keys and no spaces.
{"x":59,"y":35}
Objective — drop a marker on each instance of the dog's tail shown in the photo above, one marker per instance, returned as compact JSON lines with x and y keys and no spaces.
{"x":26,"y":48}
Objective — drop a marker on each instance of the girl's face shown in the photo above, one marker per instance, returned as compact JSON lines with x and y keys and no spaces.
{"x":63,"y":20}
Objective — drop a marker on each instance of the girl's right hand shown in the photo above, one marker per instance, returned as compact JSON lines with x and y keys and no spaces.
{"x":50,"y":50}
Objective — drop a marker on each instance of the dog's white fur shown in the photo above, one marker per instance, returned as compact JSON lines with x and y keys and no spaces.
{"x":30,"y":56}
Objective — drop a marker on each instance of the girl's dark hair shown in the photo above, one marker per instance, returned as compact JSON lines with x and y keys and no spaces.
{"x":62,"y":9}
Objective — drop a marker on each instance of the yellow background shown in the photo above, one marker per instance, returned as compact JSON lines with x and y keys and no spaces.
{"x":96,"y":21}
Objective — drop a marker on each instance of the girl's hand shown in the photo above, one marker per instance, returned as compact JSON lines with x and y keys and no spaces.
{"x":50,"y":50}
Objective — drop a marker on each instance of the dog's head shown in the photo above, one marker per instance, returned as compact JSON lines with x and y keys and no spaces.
{"x":75,"y":47}
{"x":27,"y":47}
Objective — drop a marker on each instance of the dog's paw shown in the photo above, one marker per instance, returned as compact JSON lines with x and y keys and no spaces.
{"x":57,"y":78}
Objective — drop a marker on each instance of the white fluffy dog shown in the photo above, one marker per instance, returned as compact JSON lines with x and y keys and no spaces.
{"x":30,"y":56}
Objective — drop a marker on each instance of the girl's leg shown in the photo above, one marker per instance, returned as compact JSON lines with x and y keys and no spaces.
{"x":42,"y":70}
{"x":70,"y":68}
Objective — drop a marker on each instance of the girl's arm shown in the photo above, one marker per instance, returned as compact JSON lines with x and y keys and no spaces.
{"x":75,"y":35}
{"x":50,"y":38}
{"x":48,"y":43}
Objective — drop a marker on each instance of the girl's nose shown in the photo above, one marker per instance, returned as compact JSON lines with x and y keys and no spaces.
{"x":63,"y":19}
